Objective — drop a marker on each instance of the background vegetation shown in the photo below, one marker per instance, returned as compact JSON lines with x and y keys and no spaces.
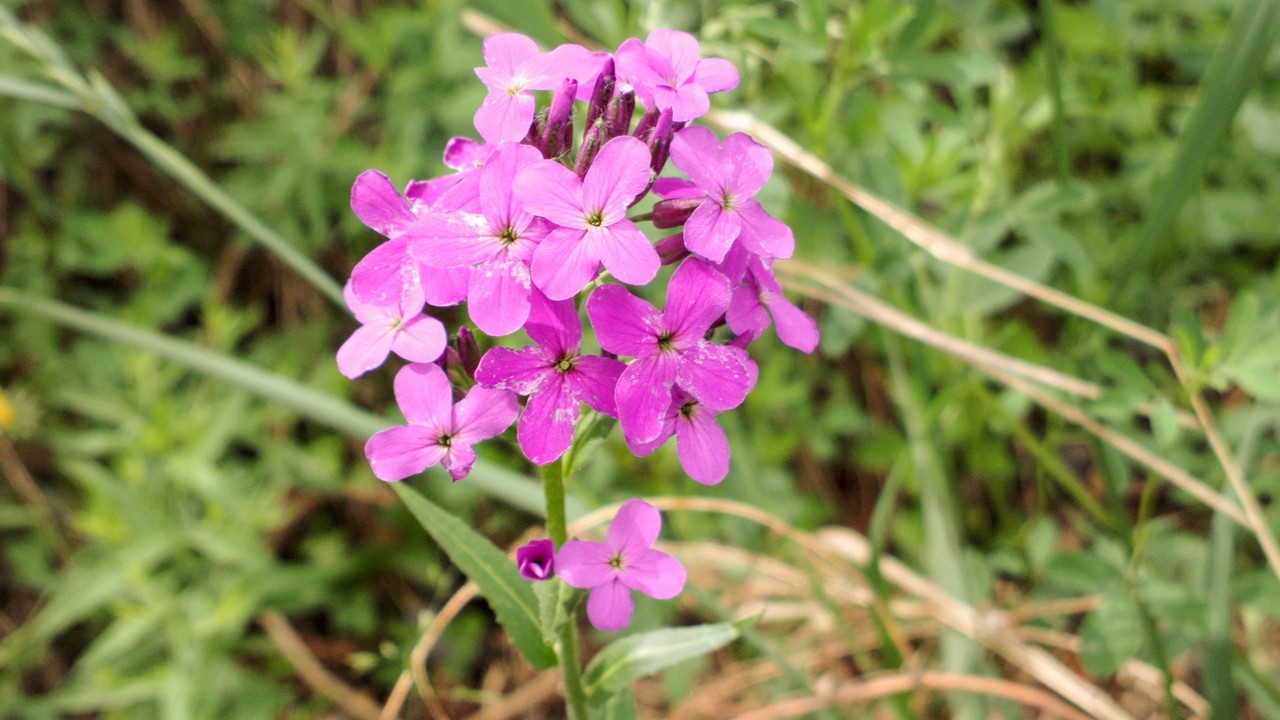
{"x":186,"y":536}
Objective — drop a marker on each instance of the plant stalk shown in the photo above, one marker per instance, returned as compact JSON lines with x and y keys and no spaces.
{"x":575,"y":695}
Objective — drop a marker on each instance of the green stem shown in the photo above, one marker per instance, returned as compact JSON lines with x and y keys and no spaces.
{"x":575,"y":694}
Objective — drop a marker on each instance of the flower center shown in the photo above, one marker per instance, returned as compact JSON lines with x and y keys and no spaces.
{"x":565,"y":364}
{"x":508,"y":236}
{"x":445,"y":441}
{"x":615,"y":562}
{"x":396,"y":323}
{"x":726,"y":200}
{"x":687,"y":409}
{"x":665,"y":343}
{"x":595,"y":219}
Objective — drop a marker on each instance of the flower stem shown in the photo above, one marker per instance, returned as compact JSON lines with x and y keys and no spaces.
{"x":575,"y":696}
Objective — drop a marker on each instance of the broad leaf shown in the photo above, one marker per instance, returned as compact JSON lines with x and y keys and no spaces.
{"x":499,"y":581}
{"x":621,"y":663}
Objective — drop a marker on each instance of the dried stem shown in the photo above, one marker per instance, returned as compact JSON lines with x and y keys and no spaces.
{"x":287,"y":641}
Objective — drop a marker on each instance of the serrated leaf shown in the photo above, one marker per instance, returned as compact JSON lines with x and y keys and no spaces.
{"x":633,"y":657}
{"x":508,"y":594}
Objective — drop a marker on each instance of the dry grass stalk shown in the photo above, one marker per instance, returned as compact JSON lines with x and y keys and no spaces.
{"x":312,"y":672}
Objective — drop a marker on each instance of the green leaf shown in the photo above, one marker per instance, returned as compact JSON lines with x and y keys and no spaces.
{"x":500,"y":583}
{"x":633,"y":657}
{"x":555,"y":598}
{"x":1111,"y":635}
{"x":620,"y":706}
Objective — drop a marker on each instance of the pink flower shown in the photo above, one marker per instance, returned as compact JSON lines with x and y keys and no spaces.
{"x":625,"y":561}
{"x":760,"y":296}
{"x":729,"y":177}
{"x":438,"y":431}
{"x":401,"y":329}
{"x":701,"y":444}
{"x":495,"y":245}
{"x":670,"y":348}
{"x":384,"y":275}
{"x":592,"y":217}
{"x":667,"y":72}
{"x":513,"y":67}
{"x":554,"y":375}
{"x":537,"y":560}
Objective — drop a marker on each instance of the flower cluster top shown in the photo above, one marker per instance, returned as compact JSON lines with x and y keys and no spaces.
{"x":530,"y":223}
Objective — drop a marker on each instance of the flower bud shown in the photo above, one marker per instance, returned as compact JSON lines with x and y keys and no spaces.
{"x":659,"y":142}
{"x":468,"y":350}
{"x":617,"y":119}
{"x":592,"y":140}
{"x":644,"y":128}
{"x":537,"y":560}
{"x":606,"y":81}
{"x":671,"y":250}
{"x":674,"y":212}
{"x":557,"y":133}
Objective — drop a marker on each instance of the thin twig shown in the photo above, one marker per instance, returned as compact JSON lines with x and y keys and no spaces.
{"x":316,"y":677}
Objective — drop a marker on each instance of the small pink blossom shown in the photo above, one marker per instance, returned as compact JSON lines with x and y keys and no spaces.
{"x":759,"y":297}
{"x":667,"y":71}
{"x":625,"y":561}
{"x":701,"y":444}
{"x":513,"y":67}
{"x":591,"y":215}
{"x":438,"y":431}
{"x":401,"y":328}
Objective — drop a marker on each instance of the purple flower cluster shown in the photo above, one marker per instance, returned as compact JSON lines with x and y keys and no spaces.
{"x":527,"y":226}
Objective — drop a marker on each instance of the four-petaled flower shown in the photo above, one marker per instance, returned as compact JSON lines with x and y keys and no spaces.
{"x":625,"y":561}
{"x":400,"y":328}
{"x":760,"y":296}
{"x":555,"y":376}
{"x":701,"y":444}
{"x":670,"y":348}
{"x":495,"y":244}
{"x":592,"y":217}
{"x":729,"y":176}
{"x":438,"y":431}
{"x":667,"y":72}
{"x":513,"y":67}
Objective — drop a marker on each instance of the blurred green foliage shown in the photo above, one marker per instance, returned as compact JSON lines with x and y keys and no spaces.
{"x":172,"y":510}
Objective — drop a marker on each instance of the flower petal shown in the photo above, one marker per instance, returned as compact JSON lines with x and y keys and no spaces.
{"x":459,"y":459}
{"x":422,"y":339}
{"x":546,"y":428}
{"x":380,"y":277}
{"x":520,"y":371}
{"x":609,"y":606}
{"x":634,"y":530}
{"x":505,"y":53}
{"x":679,"y":48}
{"x":496,"y":196}
{"x":656,"y":574}
{"x":564,"y":262}
{"x":696,"y":151}
{"x":697,"y":296}
{"x":504,"y":117}
{"x":746,"y":313}
{"x":702,"y":446}
{"x":764,"y":234}
{"x":584,"y":564}
{"x":719,"y":377}
{"x":483,"y":413}
{"x":550,"y":190}
{"x":443,"y":287}
{"x":710,"y":230}
{"x":750,"y":165}
{"x":624,"y":324}
{"x":626,"y":253}
{"x":716,"y":75}
{"x":554,"y":325}
{"x":619,"y":172}
{"x":366,"y":349}
{"x":644,"y":396}
{"x":793,"y":326}
{"x":593,"y":380}
{"x":402,"y":451}
{"x":498,"y":298}
{"x":452,"y":239}
{"x":425,"y":396}
{"x":378,"y":204}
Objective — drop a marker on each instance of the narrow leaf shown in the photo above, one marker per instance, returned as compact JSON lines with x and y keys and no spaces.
{"x":633,"y":657}
{"x":508,"y":594}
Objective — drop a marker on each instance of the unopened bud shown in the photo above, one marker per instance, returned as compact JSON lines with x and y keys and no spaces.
{"x":660,"y":142}
{"x":644,"y":128}
{"x":617,"y":118}
{"x":557,"y":135}
{"x":592,"y":140}
{"x":603,"y":92}
{"x":671,"y":250}
{"x":468,"y":350}
{"x":674,"y":212}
